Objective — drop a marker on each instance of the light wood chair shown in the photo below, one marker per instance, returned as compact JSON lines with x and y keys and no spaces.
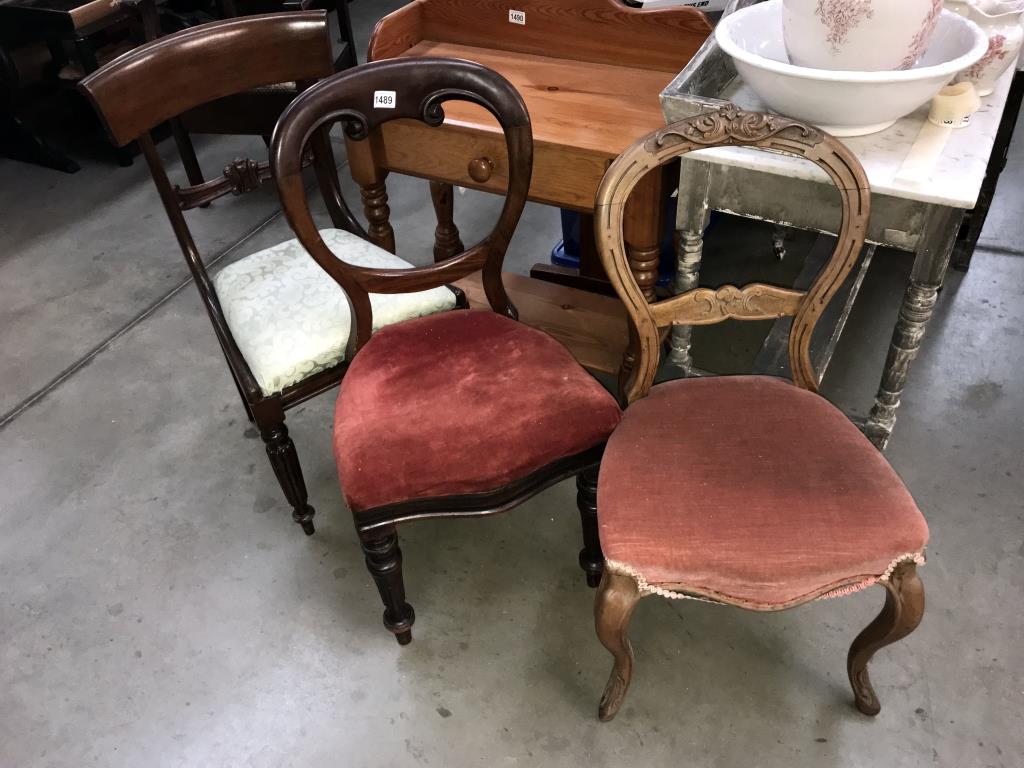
{"x":767,"y":496}
{"x":460,"y":414}
{"x":283,"y":323}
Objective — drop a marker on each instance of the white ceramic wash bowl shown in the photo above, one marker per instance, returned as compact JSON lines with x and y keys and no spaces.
{"x":844,"y":103}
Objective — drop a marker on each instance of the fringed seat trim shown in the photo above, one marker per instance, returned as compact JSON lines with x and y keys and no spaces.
{"x":646,"y":588}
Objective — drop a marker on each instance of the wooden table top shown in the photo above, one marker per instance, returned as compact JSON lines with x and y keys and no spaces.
{"x":601,"y":108}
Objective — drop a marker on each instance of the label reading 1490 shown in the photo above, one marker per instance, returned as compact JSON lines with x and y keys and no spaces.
{"x":383,"y":99}
{"x":517,"y":17}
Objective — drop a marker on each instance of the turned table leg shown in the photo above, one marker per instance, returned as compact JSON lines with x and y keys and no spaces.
{"x":691,"y":221}
{"x":930,"y":262}
{"x":447,"y":242}
{"x":370,"y":176}
{"x":642,"y":230}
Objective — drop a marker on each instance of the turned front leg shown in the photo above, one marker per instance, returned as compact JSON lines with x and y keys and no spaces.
{"x":915,"y":313}
{"x":447,"y":242}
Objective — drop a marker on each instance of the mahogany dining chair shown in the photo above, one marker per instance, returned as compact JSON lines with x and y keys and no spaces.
{"x":466,"y":413}
{"x":281,"y":321}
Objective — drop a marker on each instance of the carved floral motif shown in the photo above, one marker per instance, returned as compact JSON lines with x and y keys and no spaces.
{"x":731,"y":122}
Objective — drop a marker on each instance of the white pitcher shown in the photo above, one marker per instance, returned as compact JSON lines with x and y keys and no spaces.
{"x":1001,"y":21}
{"x":864,"y":35}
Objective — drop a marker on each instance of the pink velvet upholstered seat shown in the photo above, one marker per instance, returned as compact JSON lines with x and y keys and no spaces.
{"x":751,"y":491}
{"x":460,"y":403}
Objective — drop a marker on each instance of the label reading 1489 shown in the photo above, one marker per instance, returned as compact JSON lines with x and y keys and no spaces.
{"x":383,"y":99}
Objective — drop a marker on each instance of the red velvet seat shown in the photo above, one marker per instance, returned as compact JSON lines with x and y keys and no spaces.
{"x":772,"y":496}
{"x":461,"y":403}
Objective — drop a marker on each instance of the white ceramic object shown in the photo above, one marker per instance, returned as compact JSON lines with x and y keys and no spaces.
{"x":862,"y":35}
{"x":1001,"y":23}
{"x":844,"y":103}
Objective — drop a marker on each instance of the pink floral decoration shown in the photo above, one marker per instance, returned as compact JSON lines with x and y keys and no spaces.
{"x":840,"y":16}
{"x":996,"y":52}
{"x":924,"y":34}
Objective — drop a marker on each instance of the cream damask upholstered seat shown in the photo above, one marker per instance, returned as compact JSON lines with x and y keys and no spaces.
{"x":290,"y":319}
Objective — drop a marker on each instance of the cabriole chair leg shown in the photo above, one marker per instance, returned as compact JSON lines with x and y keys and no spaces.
{"x":285,"y":461}
{"x":904,"y":607}
{"x":384,"y":561}
{"x":617,"y":596}
{"x":591,"y":558}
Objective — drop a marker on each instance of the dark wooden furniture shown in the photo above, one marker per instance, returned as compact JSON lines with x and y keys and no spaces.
{"x":67,"y":27}
{"x":767,"y":496}
{"x":590,"y":72}
{"x":464,"y":413}
{"x":255,"y":112}
{"x":974,"y":219}
{"x":159,"y":81}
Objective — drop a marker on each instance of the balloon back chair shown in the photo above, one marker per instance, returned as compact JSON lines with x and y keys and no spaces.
{"x":283,"y":323}
{"x":464,"y":413}
{"x":767,"y":496}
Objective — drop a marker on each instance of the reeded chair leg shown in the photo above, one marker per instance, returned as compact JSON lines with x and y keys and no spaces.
{"x":904,"y":607}
{"x":617,"y":596}
{"x":384,"y":561}
{"x":591,"y":557}
{"x":285,"y":461}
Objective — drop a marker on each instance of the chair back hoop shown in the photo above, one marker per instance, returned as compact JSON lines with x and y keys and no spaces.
{"x":729,"y":126}
{"x":165,"y":78}
{"x":362,"y":99}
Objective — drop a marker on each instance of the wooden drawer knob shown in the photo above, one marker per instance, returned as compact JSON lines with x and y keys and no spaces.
{"x":480,"y":170}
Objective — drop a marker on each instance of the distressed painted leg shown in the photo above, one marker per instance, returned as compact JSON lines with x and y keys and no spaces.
{"x":915,"y":312}
{"x":904,"y":607}
{"x":617,"y":596}
{"x":591,"y":559}
{"x":779,"y":241}
{"x":447,"y":242}
{"x":285,"y":461}
{"x":384,"y":561}
{"x":691,"y":221}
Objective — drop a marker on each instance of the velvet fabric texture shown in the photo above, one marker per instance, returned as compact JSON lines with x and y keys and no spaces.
{"x":458,"y":403}
{"x":749,"y":490}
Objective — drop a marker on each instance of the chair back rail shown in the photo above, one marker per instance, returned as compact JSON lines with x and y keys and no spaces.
{"x":729,"y":126}
{"x":160,"y":80}
{"x":204,"y":63}
{"x":417,"y":89}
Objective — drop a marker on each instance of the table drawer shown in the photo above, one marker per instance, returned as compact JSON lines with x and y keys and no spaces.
{"x":564,"y":177}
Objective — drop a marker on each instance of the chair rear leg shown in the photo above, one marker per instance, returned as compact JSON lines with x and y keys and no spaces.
{"x":187,"y":152}
{"x":384,"y":561}
{"x":285,"y":461}
{"x":904,"y":607}
{"x":617,"y":596}
{"x":591,"y":557}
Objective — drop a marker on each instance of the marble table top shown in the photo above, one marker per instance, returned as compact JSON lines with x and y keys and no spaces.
{"x":955,"y":179}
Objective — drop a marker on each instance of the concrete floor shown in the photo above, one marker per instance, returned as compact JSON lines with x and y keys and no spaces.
{"x":158,"y":608}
